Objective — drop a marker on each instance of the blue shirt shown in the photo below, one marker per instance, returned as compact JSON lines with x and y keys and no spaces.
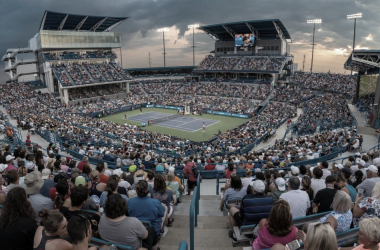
{"x":160,"y":168}
{"x":146,"y":208}
{"x":103,"y":198}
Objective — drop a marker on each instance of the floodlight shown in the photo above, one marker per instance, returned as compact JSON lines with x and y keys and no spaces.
{"x":352,"y":16}
{"x":163,"y":29}
{"x":314,"y":21}
{"x":193,"y":26}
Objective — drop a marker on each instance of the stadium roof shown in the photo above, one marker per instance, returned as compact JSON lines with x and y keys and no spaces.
{"x":364,"y":61}
{"x":72,"y":22}
{"x":262,"y":29}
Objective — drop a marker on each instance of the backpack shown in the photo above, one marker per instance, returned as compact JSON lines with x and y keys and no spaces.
{"x":195,"y":170}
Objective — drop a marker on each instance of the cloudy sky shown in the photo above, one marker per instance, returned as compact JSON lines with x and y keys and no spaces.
{"x":21,"y":20}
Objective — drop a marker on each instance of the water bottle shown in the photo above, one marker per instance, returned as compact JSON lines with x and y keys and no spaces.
{"x":111,"y":246}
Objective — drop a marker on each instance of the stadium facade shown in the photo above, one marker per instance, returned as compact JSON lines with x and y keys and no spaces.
{"x":79,"y":42}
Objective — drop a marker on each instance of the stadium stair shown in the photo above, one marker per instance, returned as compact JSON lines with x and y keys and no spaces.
{"x":211,"y":232}
{"x":85,"y":69}
{"x":68,"y":75}
{"x":116,"y":71}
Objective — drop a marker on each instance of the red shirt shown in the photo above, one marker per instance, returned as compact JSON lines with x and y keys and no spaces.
{"x":209,"y":167}
{"x":53,"y":193}
{"x":187,"y":170}
{"x":10,"y":167}
{"x":103,"y":178}
{"x":80,"y":165}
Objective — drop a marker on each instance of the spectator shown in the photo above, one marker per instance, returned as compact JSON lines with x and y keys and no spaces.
{"x":9,"y":160}
{"x":192,"y":180}
{"x":358,"y":178}
{"x":62,"y":190}
{"x":148,"y":163}
{"x":325,"y":170}
{"x":101,"y":168}
{"x":17,"y":221}
{"x":344,"y":186}
{"x":248,"y":178}
{"x":278,"y":228}
{"x":53,"y":225}
{"x":74,"y":204}
{"x":96,"y":187}
{"x":298,"y":200}
{"x":144,"y":208}
{"x":254,"y":207}
{"x":80,"y":232}
{"x":306,"y":186}
{"x":164,"y":195}
{"x":132,"y":171}
{"x":81,"y":163}
{"x":369,"y":234}
{"x":324,"y":198}
{"x":368,"y":184}
{"x":323,"y":237}
{"x":174,"y":185}
{"x":33,"y":185}
{"x":341,"y":216}
{"x":13,"y":178}
{"x":235,"y":191}
{"x":2,"y":188}
{"x":112,"y":185}
{"x":115,"y":226}
{"x":280,"y":188}
{"x":367,"y":207}
{"x":317,"y":183}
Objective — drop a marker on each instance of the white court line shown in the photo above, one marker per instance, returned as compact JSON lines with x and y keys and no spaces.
{"x":208,"y":125}
{"x":194,"y":119}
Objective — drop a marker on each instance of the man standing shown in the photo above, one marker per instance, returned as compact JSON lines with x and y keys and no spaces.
{"x":368,"y":184}
{"x":317,"y":183}
{"x":298,"y":200}
{"x":188,"y":171}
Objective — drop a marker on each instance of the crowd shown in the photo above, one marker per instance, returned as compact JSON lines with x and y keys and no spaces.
{"x":94,"y":91}
{"x":82,"y":55}
{"x":87,"y":73}
{"x":292,"y":95}
{"x":241,"y":63}
{"x":299,"y":77}
{"x":336,"y":83}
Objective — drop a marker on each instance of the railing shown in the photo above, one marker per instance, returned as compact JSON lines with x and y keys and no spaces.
{"x":194,"y":211}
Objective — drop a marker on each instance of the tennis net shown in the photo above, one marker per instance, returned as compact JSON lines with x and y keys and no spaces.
{"x":165,"y":118}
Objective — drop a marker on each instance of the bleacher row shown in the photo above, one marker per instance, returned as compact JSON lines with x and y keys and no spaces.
{"x":75,"y":74}
{"x":83,"y":55}
{"x":245,"y":63}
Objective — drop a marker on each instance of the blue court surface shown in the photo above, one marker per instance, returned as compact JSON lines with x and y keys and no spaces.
{"x":185,"y":123}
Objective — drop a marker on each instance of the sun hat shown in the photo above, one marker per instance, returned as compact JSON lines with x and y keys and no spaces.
{"x":33,"y":183}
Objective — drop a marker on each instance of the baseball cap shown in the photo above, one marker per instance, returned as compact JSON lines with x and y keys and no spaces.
{"x":361,"y":162}
{"x":3,"y":167}
{"x":80,"y":180}
{"x":33,"y":183}
{"x":9,"y":157}
{"x":294,"y":170}
{"x":372,"y":168}
{"x":280,"y":182}
{"x":132,"y":168}
{"x":171,"y":169}
{"x":107,"y":172}
{"x":258,"y":186}
{"x":340,"y":166}
{"x":257,"y":170}
{"x":45,"y":173}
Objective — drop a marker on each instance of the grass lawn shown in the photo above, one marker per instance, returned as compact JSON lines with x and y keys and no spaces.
{"x":225,"y":123}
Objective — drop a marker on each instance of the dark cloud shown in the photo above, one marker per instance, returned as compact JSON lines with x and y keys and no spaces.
{"x":21,"y":19}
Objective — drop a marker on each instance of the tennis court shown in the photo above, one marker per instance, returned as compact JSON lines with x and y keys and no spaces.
{"x":180,"y":122}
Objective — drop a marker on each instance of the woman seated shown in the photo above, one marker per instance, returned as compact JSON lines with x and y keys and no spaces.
{"x":247,"y":179}
{"x":369,"y":234}
{"x":171,"y":183}
{"x":320,"y":236}
{"x":368,"y":207}
{"x":341,"y":217}
{"x":17,"y":221}
{"x":115,"y":227}
{"x":278,"y":228}
{"x":235,"y":191}
{"x":97,"y":187}
{"x":145,"y":208}
{"x":164,"y":195}
{"x":342,"y":183}
{"x":53,"y":225}
{"x":112,"y":185}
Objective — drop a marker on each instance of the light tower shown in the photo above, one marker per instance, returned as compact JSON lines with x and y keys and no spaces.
{"x":313,"y":21}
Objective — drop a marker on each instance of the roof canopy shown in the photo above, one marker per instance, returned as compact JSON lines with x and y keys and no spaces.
{"x":262,"y":29}
{"x":72,"y":22}
{"x":364,"y":61}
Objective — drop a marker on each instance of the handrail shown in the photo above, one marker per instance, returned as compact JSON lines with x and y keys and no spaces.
{"x":194,"y":211}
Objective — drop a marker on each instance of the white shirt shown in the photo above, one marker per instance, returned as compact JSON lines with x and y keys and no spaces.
{"x":246,"y":181}
{"x":326,"y":173}
{"x":299,"y":202}
{"x":316,"y":185}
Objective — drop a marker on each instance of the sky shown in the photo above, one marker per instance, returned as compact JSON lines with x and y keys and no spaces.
{"x":333,"y":38}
